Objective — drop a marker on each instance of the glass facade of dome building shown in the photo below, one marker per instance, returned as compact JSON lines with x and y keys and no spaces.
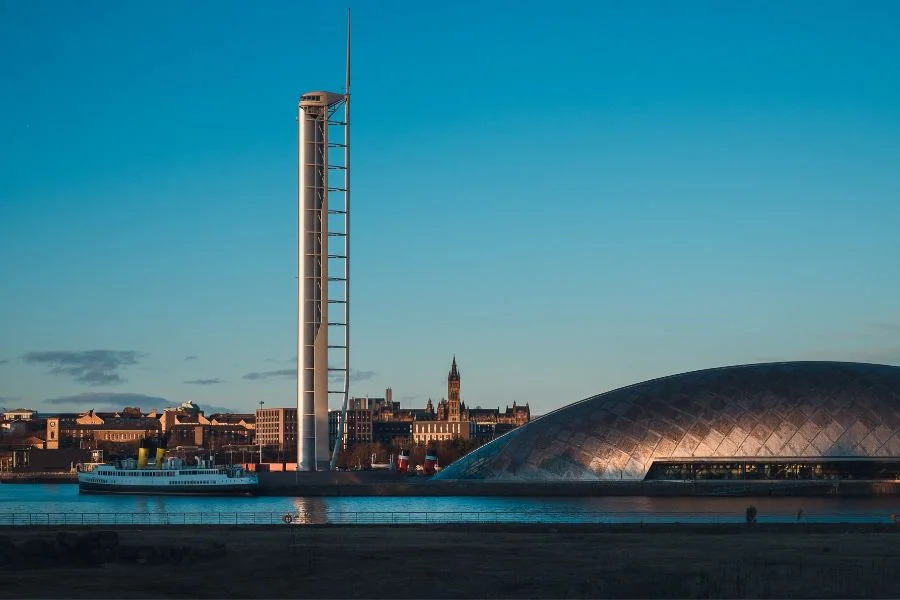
{"x":791,"y":420}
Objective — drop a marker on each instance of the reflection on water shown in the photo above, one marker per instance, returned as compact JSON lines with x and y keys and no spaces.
{"x":309,"y":511}
{"x":151,"y":504}
{"x":38,"y":499}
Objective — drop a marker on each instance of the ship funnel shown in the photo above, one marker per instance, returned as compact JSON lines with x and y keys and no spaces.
{"x":403,"y":461}
{"x":160,"y":457}
{"x":430,"y":461}
{"x":142,"y":457}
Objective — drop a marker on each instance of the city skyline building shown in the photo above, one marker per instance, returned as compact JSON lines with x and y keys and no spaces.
{"x":276,"y":427}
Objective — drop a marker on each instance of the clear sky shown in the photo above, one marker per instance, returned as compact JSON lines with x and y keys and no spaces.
{"x":569,"y":196}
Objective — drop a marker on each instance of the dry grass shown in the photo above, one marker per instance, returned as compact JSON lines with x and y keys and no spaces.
{"x":493,"y":562}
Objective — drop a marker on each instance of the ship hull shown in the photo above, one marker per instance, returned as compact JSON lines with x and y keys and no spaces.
{"x":154,"y":490}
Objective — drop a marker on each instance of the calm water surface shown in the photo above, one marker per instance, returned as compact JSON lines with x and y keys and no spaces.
{"x":61,"y":503}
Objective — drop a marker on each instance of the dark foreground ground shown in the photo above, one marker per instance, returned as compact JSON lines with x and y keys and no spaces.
{"x":531,"y":561}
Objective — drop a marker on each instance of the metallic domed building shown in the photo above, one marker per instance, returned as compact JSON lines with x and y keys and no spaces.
{"x":792,"y":420}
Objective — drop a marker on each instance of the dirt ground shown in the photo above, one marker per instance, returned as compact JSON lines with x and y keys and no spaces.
{"x":534,"y":561}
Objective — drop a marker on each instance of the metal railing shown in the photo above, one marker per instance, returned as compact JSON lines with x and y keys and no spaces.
{"x":418,"y":518}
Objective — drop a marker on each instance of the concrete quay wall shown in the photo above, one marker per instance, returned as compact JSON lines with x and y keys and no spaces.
{"x":383,"y":483}
{"x":39,"y":477}
{"x":393,"y":484}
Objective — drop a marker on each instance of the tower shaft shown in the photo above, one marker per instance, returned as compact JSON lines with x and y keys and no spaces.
{"x":313,"y":281}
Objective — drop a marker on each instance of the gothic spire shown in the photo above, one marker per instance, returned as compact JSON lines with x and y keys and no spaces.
{"x":454,"y":372}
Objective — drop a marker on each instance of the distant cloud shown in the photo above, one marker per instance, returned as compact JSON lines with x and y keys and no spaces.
{"x":110,"y":401}
{"x":191,"y":357}
{"x":117,"y":400}
{"x":4,"y":361}
{"x":889,"y":355}
{"x":883,"y":355}
{"x":9,"y":399}
{"x":256,"y":376}
{"x":93,"y":367}
{"x":210,"y":409}
{"x":354,"y":375}
{"x":361,"y":375}
{"x":886,"y":327}
{"x":293,"y":359}
{"x":204,"y":381}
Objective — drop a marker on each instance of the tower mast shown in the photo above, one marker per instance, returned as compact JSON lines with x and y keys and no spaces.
{"x":345,"y":391}
{"x":323,"y":265}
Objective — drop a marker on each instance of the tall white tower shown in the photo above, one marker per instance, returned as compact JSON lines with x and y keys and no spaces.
{"x":324,"y":266}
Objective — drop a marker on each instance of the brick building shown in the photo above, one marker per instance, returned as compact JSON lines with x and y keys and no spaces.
{"x":276,"y":429}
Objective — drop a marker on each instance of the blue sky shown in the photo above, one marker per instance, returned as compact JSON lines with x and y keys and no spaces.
{"x":569,"y":197}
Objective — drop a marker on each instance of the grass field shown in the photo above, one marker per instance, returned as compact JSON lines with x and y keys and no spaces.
{"x":529,"y":561}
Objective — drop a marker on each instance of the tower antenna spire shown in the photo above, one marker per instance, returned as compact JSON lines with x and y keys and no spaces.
{"x":347,"y":82}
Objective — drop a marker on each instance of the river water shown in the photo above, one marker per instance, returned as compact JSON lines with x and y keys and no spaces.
{"x":24,"y":504}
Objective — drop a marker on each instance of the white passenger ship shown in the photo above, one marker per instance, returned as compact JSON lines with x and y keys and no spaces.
{"x":172,"y":477}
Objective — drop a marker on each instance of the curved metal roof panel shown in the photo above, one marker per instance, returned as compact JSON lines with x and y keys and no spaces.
{"x":789,"y":409}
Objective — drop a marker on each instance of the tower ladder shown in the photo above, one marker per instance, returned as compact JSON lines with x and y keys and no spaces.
{"x":339,"y":264}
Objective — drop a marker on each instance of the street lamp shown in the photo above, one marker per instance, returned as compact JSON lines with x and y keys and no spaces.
{"x":257,"y":433}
